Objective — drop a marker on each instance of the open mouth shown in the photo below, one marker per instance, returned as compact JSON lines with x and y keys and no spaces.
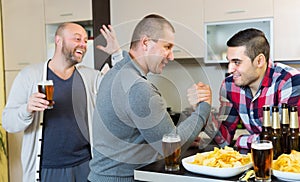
{"x":236,"y":76}
{"x":78,"y":51}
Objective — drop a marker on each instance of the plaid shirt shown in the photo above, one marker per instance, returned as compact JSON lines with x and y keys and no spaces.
{"x":281,"y":84}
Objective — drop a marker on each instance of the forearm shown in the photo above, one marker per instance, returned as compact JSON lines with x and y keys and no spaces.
{"x":190,"y":128}
{"x":244,"y":141}
{"x":16,"y":119}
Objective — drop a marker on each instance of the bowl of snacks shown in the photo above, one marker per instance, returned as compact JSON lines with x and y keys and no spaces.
{"x":219,"y":163}
{"x":287,"y":166}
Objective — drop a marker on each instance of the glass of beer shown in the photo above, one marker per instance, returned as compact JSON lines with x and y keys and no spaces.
{"x":262,"y":157}
{"x":172,"y":151}
{"x":46,"y":87}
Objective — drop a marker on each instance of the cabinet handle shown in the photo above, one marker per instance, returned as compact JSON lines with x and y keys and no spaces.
{"x":236,"y":11}
{"x":176,"y":50}
{"x":66,"y":14}
{"x":23,"y":63}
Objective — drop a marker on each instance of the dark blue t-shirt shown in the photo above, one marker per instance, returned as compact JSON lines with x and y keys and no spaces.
{"x":65,"y":131}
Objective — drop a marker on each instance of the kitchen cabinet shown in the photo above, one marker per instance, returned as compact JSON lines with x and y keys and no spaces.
{"x":14,"y":139}
{"x":286,"y":30}
{"x":216,"y":10}
{"x":57,"y":11}
{"x":186,"y":17}
{"x":23,"y":33}
{"x":218,"y":33}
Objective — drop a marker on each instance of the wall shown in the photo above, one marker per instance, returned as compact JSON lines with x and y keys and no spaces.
{"x":3,"y":159}
{"x":179,"y":75}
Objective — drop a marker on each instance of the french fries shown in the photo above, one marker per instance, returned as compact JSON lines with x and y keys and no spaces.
{"x":288,"y":162}
{"x":222,"y":158}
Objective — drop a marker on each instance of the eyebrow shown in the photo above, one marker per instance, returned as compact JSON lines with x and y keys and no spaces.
{"x":78,"y":34}
{"x":234,"y":59}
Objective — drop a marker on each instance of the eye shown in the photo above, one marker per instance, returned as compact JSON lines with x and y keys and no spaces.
{"x":168,"y":47}
{"x":237,"y":62}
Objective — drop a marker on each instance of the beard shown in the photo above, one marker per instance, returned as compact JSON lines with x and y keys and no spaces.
{"x":71,"y":56}
{"x":245,"y":80}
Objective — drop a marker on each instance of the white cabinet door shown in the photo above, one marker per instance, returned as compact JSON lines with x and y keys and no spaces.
{"x":23,"y":33}
{"x":14,"y":139}
{"x":186,"y":17}
{"x":219,"y":10}
{"x":57,"y":11}
{"x":286,"y":30}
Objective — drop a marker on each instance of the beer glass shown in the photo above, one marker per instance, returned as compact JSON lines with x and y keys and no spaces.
{"x":46,"y":87}
{"x":172,"y":150}
{"x":262,"y":157}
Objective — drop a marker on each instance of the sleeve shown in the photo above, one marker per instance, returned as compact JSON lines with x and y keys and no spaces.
{"x":15,"y":117}
{"x":116,"y":57}
{"x":289,"y":92}
{"x":225,"y":122}
{"x":146,"y":104}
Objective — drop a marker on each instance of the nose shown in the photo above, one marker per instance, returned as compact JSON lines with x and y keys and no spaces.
{"x":171,"y":56}
{"x":83,"y":43}
{"x":231,"y":67}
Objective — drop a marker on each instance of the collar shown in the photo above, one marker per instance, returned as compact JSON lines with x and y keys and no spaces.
{"x":267,"y":80}
{"x":137,"y":67}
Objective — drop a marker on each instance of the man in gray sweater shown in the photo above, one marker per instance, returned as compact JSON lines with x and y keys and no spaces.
{"x":130,"y":117}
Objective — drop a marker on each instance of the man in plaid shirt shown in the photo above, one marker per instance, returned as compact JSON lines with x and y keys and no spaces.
{"x":254,"y":81}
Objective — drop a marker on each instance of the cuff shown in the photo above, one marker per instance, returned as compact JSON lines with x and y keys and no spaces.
{"x":116,"y":57}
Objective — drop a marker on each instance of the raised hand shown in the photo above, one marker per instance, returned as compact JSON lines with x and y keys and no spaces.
{"x":109,"y":34}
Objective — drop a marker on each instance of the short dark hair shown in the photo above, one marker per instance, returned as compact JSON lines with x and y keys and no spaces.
{"x":254,"y":40}
{"x":152,"y":26}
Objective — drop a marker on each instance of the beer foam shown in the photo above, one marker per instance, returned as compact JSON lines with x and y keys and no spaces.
{"x":46,"y":82}
{"x":262,"y":146}
{"x":170,"y":139}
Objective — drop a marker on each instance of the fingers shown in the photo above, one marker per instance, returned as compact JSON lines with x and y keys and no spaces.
{"x":37,"y":102}
{"x":109,"y":34}
{"x":199,"y":93}
{"x":193,"y":95}
{"x":105,"y":32}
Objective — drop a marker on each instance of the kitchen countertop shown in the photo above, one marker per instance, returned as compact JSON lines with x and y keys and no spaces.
{"x":156,"y":172}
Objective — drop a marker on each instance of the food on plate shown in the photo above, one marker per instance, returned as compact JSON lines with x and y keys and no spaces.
{"x":288,"y":162}
{"x":222,"y":158}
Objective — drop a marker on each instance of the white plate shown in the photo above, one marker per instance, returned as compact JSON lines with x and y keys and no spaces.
{"x":286,"y":176}
{"x":213,"y":171}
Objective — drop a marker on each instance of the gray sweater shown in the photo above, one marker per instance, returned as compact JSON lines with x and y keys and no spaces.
{"x":129,"y":121}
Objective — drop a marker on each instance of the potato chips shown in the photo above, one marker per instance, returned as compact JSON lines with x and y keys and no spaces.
{"x":288,"y":162}
{"x":222,"y":158}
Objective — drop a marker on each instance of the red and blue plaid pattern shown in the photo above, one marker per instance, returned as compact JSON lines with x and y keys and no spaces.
{"x":281,"y":84}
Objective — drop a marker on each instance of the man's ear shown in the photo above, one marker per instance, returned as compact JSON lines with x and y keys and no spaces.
{"x":261,"y":60}
{"x":145,"y":42}
{"x":58,"y":40}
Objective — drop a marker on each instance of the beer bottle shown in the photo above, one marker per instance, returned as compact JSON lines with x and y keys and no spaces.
{"x":266,"y":133}
{"x":294,"y":129}
{"x":276,"y":133}
{"x":285,"y":124}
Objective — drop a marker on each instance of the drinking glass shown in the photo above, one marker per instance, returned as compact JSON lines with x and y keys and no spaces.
{"x":262,"y":157}
{"x":172,"y":151}
{"x":46,"y":87}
